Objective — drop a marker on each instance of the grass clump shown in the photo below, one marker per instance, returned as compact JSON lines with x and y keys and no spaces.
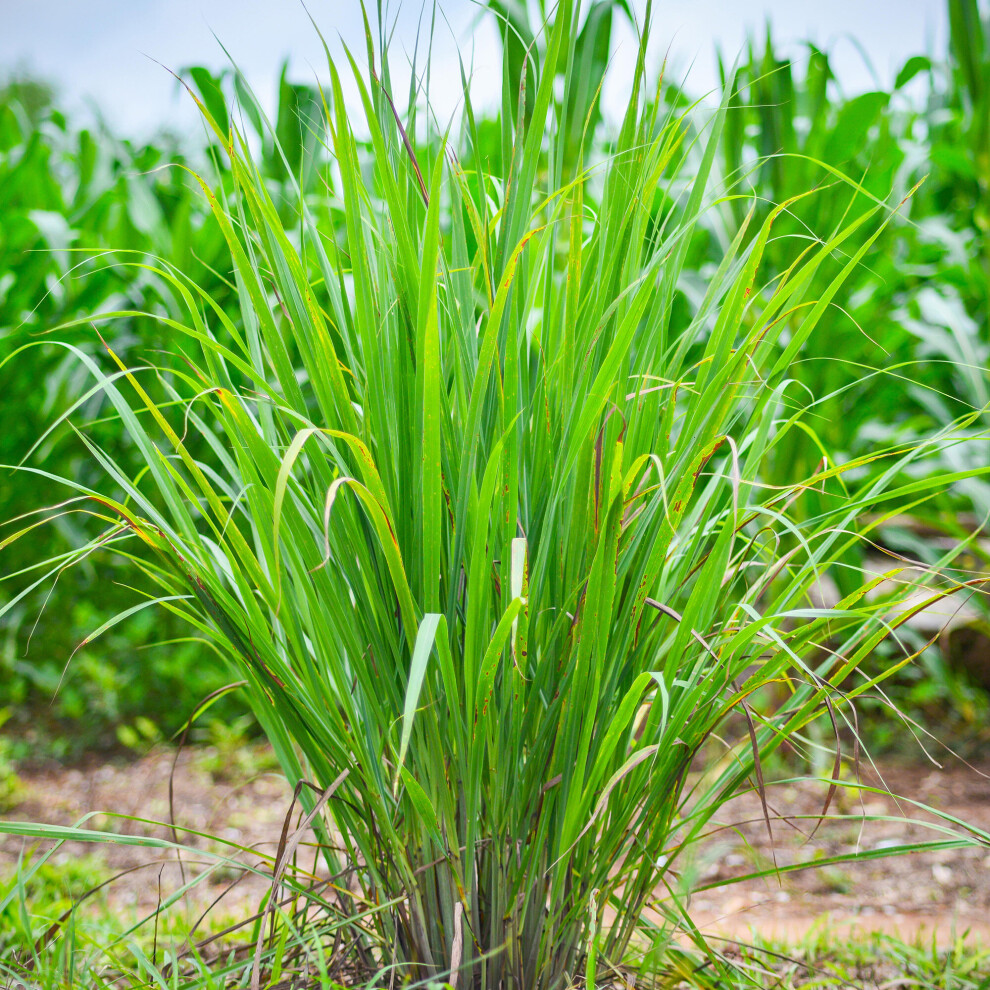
{"x":473,"y":492}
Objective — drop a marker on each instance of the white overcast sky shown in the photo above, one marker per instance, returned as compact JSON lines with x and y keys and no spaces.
{"x":102,"y":49}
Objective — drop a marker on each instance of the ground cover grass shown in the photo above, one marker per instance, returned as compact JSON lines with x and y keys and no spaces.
{"x":97,"y":945}
{"x":829,"y":959}
{"x":486,"y":488}
{"x":96,"y":949}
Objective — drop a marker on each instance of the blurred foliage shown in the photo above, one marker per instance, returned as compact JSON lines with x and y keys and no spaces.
{"x":11,"y":788}
{"x":51,"y":885}
{"x":79,"y":206}
{"x":75,"y":203}
{"x":914,"y":312}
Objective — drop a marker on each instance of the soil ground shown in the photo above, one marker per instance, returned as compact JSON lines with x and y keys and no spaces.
{"x":942,"y":893}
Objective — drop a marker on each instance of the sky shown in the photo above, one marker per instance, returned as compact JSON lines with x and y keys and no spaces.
{"x":108,"y":51}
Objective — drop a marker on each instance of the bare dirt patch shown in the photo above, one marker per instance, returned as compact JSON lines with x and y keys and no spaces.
{"x":945,"y":892}
{"x":210,"y":814}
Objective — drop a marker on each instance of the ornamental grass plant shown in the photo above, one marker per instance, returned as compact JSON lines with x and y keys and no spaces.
{"x":472,"y":492}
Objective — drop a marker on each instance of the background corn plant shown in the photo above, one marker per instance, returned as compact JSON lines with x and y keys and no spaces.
{"x":78,"y":204}
{"x":473,"y":489}
{"x":905,"y":345}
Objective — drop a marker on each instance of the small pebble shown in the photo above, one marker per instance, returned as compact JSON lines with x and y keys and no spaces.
{"x":942,"y":874}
